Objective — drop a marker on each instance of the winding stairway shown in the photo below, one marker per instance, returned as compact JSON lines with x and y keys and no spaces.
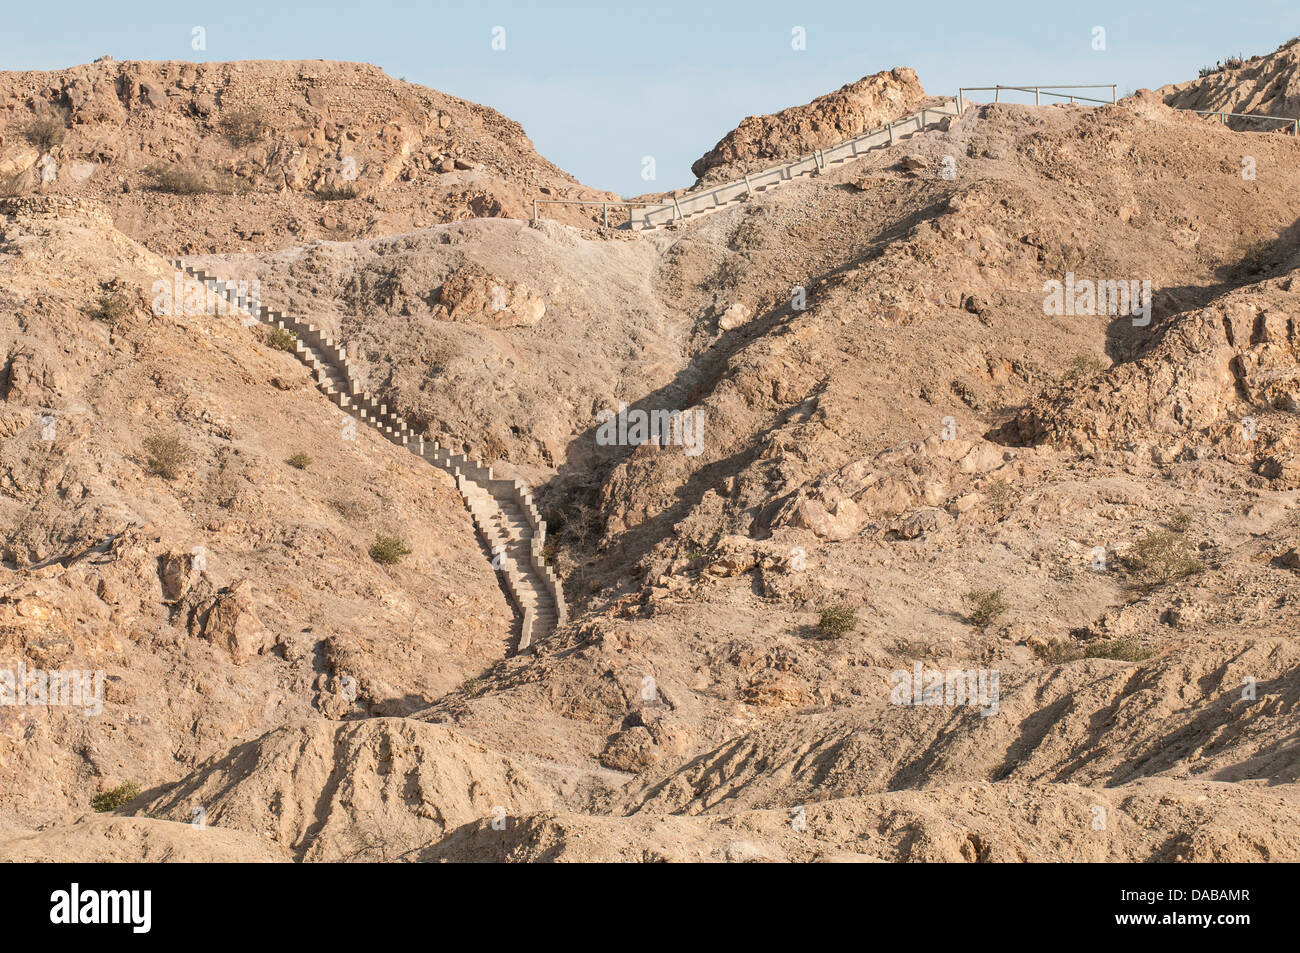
{"x":695,"y":205}
{"x":502,"y":509}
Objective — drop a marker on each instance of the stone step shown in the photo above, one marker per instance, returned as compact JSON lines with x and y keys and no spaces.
{"x":495,"y":506}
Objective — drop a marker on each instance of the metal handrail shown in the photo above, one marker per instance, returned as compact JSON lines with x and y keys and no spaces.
{"x":817,"y":156}
{"x":1039,"y":91}
{"x":1224,"y":116}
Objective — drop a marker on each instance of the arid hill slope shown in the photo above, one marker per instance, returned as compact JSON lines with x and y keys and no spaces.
{"x":280,"y":145}
{"x":1267,"y":85}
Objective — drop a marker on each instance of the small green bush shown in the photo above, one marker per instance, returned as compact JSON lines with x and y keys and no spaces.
{"x":299,"y":461}
{"x":1123,"y":649}
{"x":388,"y":550}
{"x":985,"y":606}
{"x":167,"y":455}
{"x":1057,"y":651}
{"x":336,"y":193}
{"x":111,"y":308}
{"x":1232,"y":62}
{"x":281,"y":339}
{"x":1181,"y":521}
{"x":837,"y":621}
{"x":1084,"y":367}
{"x":114,"y":798}
{"x":472,"y":687}
{"x":46,"y":129}
{"x":178,"y":179}
{"x":1000,"y":495}
{"x":1162,"y":556}
{"x":244,"y":127}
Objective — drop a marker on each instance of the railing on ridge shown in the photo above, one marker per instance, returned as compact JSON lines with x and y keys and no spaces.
{"x":1039,"y":91}
{"x":683,"y":206}
{"x":1225,"y":116}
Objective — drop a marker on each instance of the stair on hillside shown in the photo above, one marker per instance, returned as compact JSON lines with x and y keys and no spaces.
{"x":514,"y":537}
{"x":692,"y":206}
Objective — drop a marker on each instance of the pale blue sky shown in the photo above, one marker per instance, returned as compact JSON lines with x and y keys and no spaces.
{"x":599,"y":85}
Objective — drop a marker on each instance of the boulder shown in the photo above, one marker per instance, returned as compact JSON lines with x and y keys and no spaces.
{"x":732,"y":318}
{"x":232,"y":623}
{"x":176,"y":570}
{"x":484,"y":300}
{"x":631,"y":750}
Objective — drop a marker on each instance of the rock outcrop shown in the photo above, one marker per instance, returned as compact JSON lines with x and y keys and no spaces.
{"x":851,"y":110}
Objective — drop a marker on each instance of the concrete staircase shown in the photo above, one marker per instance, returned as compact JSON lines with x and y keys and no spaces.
{"x":502,"y":509}
{"x":695,"y":205}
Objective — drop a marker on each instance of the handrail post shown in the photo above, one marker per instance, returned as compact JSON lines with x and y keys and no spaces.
{"x":1113,"y":100}
{"x":891,"y":133}
{"x":534,"y":210}
{"x":1037,"y":96}
{"x":604,"y":207}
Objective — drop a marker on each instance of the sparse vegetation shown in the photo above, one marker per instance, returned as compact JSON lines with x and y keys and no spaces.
{"x":299,"y":461}
{"x":837,"y":621}
{"x":111,"y":308}
{"x":244,"y":127}
{"x":1257,"y":257}
{"x":336,"y":193}
{"x":1000,"y":495}
{"x":472,"y":687}
{"x":1180,"y":522}
{"x":1057,"y":651}
{"x":281,"y":339}
{"x":114,"y":798}
{"x":1162,"y":556}
{"x":1084,"y":367}
{"x":388,"y":550}
{"x":167,"y":455}
{"x":1124,"y":649}
{"x":985,"y":606}
{"x":1232,"y":62}
{"x":178,"y":179}
{"x":46,"y":129}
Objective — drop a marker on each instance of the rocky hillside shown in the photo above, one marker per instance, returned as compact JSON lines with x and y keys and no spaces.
{"x":1267,"y":85}
{"x":913,"y":458}
{"x":761,"y":141}
{"x":196,"y":157}
{"x":183,"y":511}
